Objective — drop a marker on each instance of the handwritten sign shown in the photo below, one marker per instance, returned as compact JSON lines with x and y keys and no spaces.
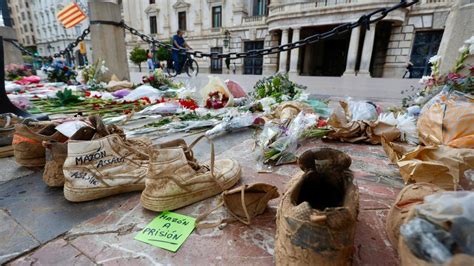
{"x":168,"y":231}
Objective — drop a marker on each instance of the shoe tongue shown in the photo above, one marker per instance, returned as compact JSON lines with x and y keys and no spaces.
{"x":49,"y":130}
{"x":99,"y":125}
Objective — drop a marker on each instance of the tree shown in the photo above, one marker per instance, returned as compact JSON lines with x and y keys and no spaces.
{"x":137,"y":56}
{"x":163,"y":54}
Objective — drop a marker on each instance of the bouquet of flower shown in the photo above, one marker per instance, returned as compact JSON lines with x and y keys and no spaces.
{"x":159,"y":80}
{"x":216,"y":100}
{"x":59,"y":72}
{"x":92,"y":75}
{"x":278,"y":87}
{"x":460,"y":78}
{"x":15,"y":72}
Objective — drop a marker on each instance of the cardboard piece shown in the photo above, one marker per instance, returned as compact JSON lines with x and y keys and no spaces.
{"x":167,"y":231}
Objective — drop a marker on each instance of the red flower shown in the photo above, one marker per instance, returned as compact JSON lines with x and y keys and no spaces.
{"x":146,"y":99}
{"x":88,"y":93}
{"x":65,"y":68}
{"x":322,"y":123}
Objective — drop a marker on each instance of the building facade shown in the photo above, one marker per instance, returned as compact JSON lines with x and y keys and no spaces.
{"x":22,"y":22}
{"x":383,"y":50}
{"x":51,"y":36}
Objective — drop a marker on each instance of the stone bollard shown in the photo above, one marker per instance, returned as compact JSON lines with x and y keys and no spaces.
{"x":108,"y":41}
{"x":11,"y":54}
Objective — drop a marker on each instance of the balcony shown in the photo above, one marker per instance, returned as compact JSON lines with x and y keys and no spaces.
{"x":254,"y":21}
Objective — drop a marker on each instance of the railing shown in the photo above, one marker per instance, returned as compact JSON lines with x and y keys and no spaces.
{"x":254,"y":19}
{"x":295,"y":7}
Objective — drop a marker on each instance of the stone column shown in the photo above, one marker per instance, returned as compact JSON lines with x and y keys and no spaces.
{"x":283,"y":55}
{"x":294,"y":56}
{"x":11,"y":54}
{"x":108,"y":41}
{"x":364,"y":70}
{"x":352,"y":52}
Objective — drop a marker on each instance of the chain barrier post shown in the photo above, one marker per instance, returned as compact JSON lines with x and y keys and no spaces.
{"x":6,"y":106}
{"x":108,"y":38}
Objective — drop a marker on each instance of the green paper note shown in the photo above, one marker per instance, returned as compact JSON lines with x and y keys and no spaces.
{"x":168,"y":231}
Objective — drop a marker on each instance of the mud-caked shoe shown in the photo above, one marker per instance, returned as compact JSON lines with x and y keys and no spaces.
{"x":409,"y":197}
{"x":28,"y":139}
{"x":103,"y":167}
{"x":7,"y":128}
{"x":176,"y":180}
{"x":317,"y":215}
{"x":56,"y":153}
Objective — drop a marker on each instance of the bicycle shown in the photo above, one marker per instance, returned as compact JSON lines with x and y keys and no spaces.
{"x":190,"y":66}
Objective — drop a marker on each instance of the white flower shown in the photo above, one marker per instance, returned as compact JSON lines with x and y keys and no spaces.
{"x":425,"y":79}
{"x":419,"y":100}
{"x":462,"y":49}
{"x":103,"y":69}
{"x":470,"y":41}
{"x":435,"y":59}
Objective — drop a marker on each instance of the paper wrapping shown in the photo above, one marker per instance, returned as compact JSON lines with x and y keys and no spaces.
{"x":440,"y":165}
{"x":448,"y":121}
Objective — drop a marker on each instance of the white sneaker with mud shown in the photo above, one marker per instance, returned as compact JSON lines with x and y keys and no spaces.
{"x":176,"y":180}
{"x":103,"y":167}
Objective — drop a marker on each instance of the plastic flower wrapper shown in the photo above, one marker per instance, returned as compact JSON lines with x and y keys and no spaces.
{"x":232,"y":121}
{"x":216,"y":95}
{"x":283,"y":150}
{"x":161,"y":108}
{"x":20,"y":101}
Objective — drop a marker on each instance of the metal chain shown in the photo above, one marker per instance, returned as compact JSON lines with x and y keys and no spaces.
{"x":364,"y":20}
{"x":69,"y":48}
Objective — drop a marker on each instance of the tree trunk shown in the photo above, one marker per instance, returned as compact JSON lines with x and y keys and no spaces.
{"x":139,"y":67}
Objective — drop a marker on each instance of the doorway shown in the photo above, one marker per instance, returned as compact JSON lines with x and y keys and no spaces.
{"x":425,"y":46}
{"x":216,"y":63}
{"x":253,"y":65}
{"x":324,"y":58}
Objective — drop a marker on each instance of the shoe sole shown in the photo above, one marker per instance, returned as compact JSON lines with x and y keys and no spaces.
{"x":88,"y":194}
{"x":28,"y":162}
{"x":6,"y":151}
{"x":160,"y":204}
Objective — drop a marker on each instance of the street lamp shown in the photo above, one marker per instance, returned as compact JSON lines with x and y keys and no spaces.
{"x":226,"y":39}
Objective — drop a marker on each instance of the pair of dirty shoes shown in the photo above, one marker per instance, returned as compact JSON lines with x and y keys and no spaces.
{"x":99,"y":161}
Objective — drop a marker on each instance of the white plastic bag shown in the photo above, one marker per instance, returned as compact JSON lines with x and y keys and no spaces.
{"x":361,"y":110}
{"x":143,"y":91}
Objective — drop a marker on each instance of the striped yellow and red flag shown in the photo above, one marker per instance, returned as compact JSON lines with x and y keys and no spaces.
{"x":71,"y":15}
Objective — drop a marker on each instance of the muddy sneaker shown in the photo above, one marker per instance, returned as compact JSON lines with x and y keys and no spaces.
{"x":109,"y":164}
{"x":56,"y":153}
{"x":176,"y":180}
{"x":409,"y":197}
{"x":27,"y":142}
{"x":317,"y":215}
{"x":7,"y":128}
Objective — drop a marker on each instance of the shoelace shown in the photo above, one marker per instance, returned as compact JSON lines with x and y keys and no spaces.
{"x":196,"y":165}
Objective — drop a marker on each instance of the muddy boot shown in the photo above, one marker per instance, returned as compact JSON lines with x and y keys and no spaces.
{"x":103,"y":167}
{"x":56,"y":153}
{"x":176,"y":180}
{"x":7,"y":128}
{"x":409,"y":197}
{"x":27,"y":142}
{"x":317,"y":215}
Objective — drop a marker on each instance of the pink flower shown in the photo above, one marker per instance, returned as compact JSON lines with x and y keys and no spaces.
{"x":454,"y":76}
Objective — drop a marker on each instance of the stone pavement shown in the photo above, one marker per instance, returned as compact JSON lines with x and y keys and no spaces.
{"x":107,"y":237}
